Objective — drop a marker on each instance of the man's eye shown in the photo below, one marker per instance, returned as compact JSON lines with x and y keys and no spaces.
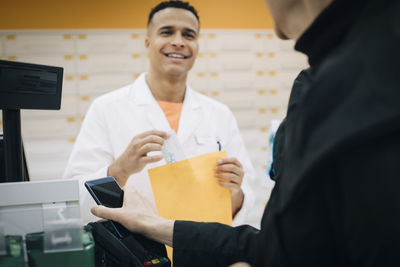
{"x":189,"y":35}
{"x":166,"y":32}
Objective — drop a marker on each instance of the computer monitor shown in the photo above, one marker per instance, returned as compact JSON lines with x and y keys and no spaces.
{"x":29,"y":86}
{"x":24,"y":86}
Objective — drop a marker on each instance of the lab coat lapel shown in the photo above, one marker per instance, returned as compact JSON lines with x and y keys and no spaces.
{"x":145,"y":101}
{"x":191,"y":115}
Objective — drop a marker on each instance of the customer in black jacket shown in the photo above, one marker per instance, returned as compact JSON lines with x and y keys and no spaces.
{"x":336,"y":201}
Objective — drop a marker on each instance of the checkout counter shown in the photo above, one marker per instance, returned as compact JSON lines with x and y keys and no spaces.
{"x":40,"y":225}
{"x":39,"y":221}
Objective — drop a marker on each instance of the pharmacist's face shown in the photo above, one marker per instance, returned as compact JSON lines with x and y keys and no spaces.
{"x":171,"y":41}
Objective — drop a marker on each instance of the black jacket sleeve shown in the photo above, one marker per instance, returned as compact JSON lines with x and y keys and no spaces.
{"x":212,"y":244}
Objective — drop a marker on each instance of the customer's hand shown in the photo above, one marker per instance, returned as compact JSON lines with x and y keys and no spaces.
{"x":230,"y":172}
{"x":136,"y":157}
{"x":138,"y":215}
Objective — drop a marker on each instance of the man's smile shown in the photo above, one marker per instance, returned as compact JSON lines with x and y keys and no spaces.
{"x":175,"y":55}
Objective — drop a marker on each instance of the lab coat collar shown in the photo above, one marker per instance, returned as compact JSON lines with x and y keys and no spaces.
{"x":140,"y":91}
{"x":142,"y":95}
{"x":190,"y":115}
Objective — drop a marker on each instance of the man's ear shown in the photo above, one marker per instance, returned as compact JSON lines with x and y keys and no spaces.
{"x":147,"y":42}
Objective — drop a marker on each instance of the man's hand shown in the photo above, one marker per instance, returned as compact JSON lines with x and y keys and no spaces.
{"x":230,"y":171}
{"x":138,"y":215}
{"x":135,"y":157}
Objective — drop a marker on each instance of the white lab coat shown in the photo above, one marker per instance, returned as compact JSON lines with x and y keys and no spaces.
{"x":115,"y":118}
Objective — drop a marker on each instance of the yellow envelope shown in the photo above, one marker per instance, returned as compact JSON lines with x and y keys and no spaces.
{"x":188,"y":190}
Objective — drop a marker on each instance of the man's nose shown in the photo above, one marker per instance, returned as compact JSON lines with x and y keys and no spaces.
{"x":177,"y":40}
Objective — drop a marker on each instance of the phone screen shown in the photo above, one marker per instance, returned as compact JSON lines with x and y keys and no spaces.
{"x":108,"y":193}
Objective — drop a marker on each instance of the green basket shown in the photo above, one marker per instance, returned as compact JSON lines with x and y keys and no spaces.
{"x":38,"y":258}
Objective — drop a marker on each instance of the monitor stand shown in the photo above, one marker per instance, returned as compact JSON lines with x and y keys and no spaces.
{"x":15,"y":165}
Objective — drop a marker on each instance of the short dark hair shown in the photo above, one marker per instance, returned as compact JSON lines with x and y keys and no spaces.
{"x":173,"y":4}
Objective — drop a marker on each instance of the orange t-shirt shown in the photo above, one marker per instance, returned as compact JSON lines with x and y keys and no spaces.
{"x":173,"y":112}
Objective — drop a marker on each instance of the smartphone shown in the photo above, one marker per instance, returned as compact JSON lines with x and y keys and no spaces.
{"x":106,"y":192}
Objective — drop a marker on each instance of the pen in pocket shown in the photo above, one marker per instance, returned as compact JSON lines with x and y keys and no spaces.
{"x":219,"y":145}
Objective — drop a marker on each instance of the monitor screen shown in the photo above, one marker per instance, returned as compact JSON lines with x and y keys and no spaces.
{"x":29,"y":86}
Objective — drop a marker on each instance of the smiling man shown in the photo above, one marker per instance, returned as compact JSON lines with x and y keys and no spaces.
{"x":123,"y":128}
